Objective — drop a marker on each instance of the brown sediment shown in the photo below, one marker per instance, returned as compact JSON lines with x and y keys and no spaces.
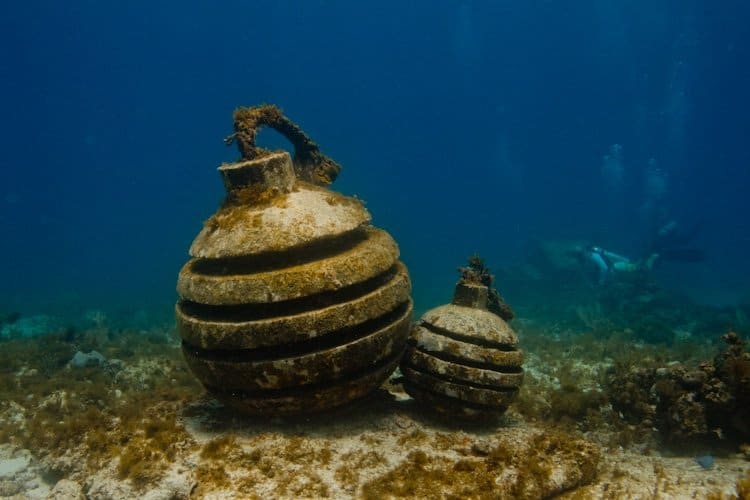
{"x":529,"y":467}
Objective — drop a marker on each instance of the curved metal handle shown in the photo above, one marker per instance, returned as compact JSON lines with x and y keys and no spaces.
{"x":310,"y":164}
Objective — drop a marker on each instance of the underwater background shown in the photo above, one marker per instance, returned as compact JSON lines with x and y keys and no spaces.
{"x":594,"y":153}
{"x":465,"y":126}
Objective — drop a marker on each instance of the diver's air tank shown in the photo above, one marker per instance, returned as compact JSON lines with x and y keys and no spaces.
{"x":463,"y":357}
{"x":292,"y":302}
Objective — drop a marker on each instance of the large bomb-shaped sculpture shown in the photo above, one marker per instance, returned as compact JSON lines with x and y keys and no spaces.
{"x":292,"y":302}
{"x":463,"y":358}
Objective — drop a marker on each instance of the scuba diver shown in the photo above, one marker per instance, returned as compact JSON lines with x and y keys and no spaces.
{"x":669,"y":244}
{"x":608,"y":264}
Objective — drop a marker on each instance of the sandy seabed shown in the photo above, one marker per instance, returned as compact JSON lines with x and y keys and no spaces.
{"x":136,"y":424}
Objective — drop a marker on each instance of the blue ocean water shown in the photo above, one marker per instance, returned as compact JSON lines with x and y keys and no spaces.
{"x":466,"y":126}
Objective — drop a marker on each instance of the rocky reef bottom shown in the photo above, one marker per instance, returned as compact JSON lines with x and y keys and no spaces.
{"x":107,"y":413}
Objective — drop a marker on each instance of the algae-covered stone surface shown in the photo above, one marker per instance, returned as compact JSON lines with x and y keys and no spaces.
{"x":137,"y":424}
{"x":377,"y":451}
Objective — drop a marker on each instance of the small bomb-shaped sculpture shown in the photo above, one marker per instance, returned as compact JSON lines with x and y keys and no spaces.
{"x":463,"y":358}
{"x":292,"y":302}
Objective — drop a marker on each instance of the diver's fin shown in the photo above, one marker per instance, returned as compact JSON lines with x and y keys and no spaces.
{"x":683,"y":255}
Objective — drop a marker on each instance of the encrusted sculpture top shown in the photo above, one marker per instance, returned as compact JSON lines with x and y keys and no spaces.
{"x":310,"y":164}
{"x":274,"y":204}
{"x":478,"y":274}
